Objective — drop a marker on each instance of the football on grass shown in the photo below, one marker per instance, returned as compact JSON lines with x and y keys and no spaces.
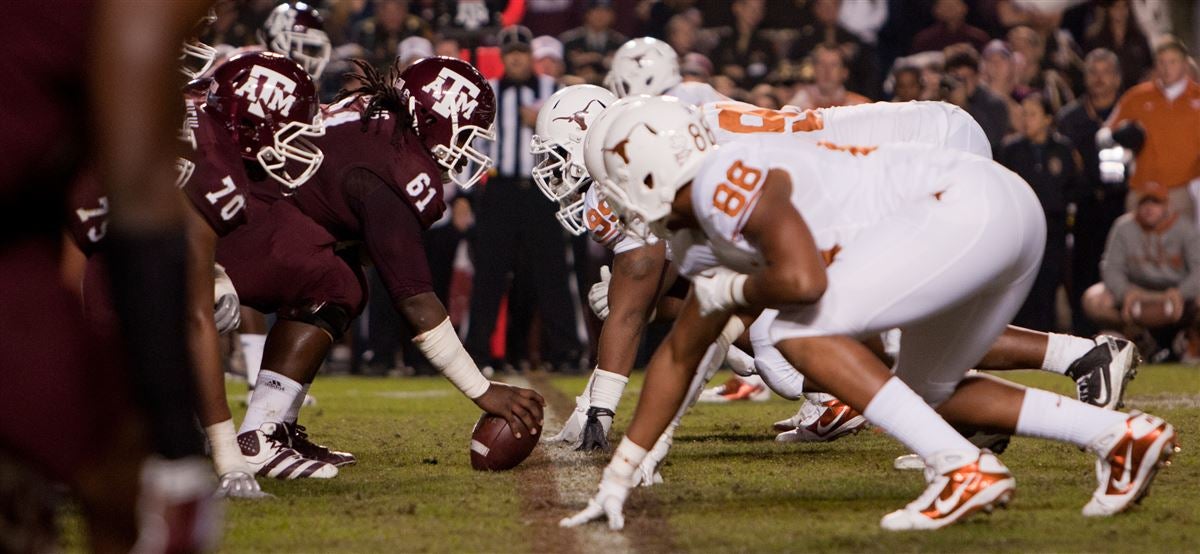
{"x":495,"y":448}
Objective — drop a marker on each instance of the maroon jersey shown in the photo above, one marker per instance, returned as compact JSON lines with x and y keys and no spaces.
{"x":379,"y":186}
{"x":397,"y":159}
{"x":212,"y":177}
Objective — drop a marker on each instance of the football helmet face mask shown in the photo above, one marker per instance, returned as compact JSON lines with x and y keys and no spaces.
{"x":650,"y":150}
{"x":295,"y":29}
{"x":195,"y":57}
{"x":557,"y":147}
{"x":643,"y":66}
{"x":269,"y":104}
{"x":452,"y":108}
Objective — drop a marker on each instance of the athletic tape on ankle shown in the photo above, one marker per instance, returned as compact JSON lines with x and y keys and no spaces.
{"x":443,"y":349}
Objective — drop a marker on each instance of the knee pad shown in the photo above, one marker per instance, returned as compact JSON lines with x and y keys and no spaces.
{"x":334,"y":319}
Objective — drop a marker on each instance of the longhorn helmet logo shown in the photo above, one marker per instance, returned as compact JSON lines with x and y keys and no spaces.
{"x":267,"y":89}
{"x":580,"y":117}
{"x":456,"y":96}
{"x":620,"y":147}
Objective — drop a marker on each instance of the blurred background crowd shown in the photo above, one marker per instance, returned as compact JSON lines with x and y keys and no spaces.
{"x":1094,"y":103}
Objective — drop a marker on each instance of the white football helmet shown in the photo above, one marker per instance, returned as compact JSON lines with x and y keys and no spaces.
{"x":643,"y":66}
{"x":557,"y":147}
{"x":195,"y":57}
{"x":593,"y":140}
{"x":650,"y":150}
{"x":296,"y":30}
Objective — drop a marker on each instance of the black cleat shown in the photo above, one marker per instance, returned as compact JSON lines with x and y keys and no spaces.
{"x":1101,"y":374}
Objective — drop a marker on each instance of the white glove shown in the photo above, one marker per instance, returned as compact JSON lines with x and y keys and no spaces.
{"x":719,"y":290}
{"x":227,"y":307}
{"x":573,"y":428}
{"x":238,"y":484}
{"x":647,"y":474}
{"x":609,"y":502}
{"x":598,"y":294}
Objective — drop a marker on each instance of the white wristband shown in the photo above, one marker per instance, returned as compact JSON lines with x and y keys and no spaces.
{"x":737,"y":290}
{"x":226,"y":456}
{"x":443,"y":349}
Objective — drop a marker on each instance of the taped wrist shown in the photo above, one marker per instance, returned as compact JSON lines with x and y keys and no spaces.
{"x":625,"y":461}
{"x":737,"y":292}
{"x":443,"y":349}
{"x":222,"y":442}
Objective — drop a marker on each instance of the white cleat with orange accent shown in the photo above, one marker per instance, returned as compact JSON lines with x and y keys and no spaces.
{"x":960,"y":484}
{"x":1130,"y":455}
{"x":822,"y":422}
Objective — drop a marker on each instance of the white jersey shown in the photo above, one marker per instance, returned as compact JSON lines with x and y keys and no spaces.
{"x":932,"y":123}
{"x":696,"y":94}
{"x":838,"y":190}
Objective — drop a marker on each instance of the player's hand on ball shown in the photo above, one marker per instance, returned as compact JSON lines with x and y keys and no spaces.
{"x":598,"y":294}
{"x":719,"y":290}
{"x":522,"y":408}
{"x":609,"y":503}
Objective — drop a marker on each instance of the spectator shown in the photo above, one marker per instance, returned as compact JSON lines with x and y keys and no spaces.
{"x":951,"y":28}
{"x":999,"y":74}
{"x":906,"y":84}
{"x":595,"y":40}
{"x":380,"y":35}
{"x":523,"y":237}
{"x":683,"y":33}
{"x":864,"y":18}
{"x":745,"y":55}
{"x":448,"y":46}
{"x":1116,"y":29}
{"x":548,"y":57}
{"x":827,"y":28}
{"x":1048,"y":162}
{"x":1168,"y":110}
{"x":1152,"y":256}
{"x":695,"y":67}
{"x":962,"y":63}
{"x":660,"y":12}
{"x":1097,"y":203}
{"x":829,"y":78}
{"x":1034,"y":71}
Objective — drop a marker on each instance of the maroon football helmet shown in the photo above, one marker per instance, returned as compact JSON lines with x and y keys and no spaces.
{"x":269,"y":104}
{"x":452,"y":107}
{"x":295,"y":30}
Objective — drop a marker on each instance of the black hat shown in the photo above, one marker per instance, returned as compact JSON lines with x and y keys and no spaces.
{"x":515,"y":38}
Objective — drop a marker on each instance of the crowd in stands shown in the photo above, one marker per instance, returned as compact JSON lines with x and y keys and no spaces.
{"x":1095,"y":103}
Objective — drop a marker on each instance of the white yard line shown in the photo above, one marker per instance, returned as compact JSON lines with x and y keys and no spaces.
{"x":576,"y":476}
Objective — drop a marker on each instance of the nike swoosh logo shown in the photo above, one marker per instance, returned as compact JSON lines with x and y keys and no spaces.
{"x":1126,"y":477}
{"x":1106,"y":390}
{"x":946,"y":506}
{"x":823,"y":429}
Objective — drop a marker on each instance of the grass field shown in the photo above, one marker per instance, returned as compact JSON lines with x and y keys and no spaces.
{"x":728,"y":487}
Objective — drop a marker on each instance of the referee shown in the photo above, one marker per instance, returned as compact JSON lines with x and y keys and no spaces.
{"x":517,"y":237}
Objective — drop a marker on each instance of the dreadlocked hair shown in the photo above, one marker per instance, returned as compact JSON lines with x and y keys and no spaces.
{"x":384,"y":95}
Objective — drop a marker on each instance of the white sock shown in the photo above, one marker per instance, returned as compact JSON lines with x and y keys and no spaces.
{"x":1062,"y":350}
{"x":740,"y":362}
{"x":904,"y":415}
{"x":293,"y":412}
{"x":1053,"y":416}
{"x":271,"y":400}
{"x":606,"y":388}
{"x":226,"y":456}
{"x":252,"y":350}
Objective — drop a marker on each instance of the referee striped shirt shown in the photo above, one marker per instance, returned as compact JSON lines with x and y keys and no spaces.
{"x":511,"y":147}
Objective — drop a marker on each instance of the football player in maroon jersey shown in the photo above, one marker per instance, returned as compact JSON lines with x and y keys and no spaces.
{"x":256,"y":110}
{"x":66,"y":408}
{"x":388,"y":148}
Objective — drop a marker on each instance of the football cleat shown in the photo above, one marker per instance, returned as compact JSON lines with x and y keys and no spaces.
{"x":1129,"y":456}
{"x":1101,"y":374}
{"x":824,"y":422}
{"x":299,"y":442}
{"x":908,"y":462}
{"x":960,"y":484}
{"x":266,"y":450}
{"x":735,"y":389}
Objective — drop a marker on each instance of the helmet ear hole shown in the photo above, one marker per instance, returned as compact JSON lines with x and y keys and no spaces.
{"x":649,"y":181}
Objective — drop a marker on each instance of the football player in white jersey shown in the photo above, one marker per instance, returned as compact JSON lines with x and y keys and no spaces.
{"x":650,"y":66}
{"x":941,"y":244}
{"x":1100,"y":367}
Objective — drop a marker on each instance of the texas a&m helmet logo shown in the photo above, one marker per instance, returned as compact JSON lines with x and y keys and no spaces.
{"x":456,"y":95}
{"x":267,"y":89}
